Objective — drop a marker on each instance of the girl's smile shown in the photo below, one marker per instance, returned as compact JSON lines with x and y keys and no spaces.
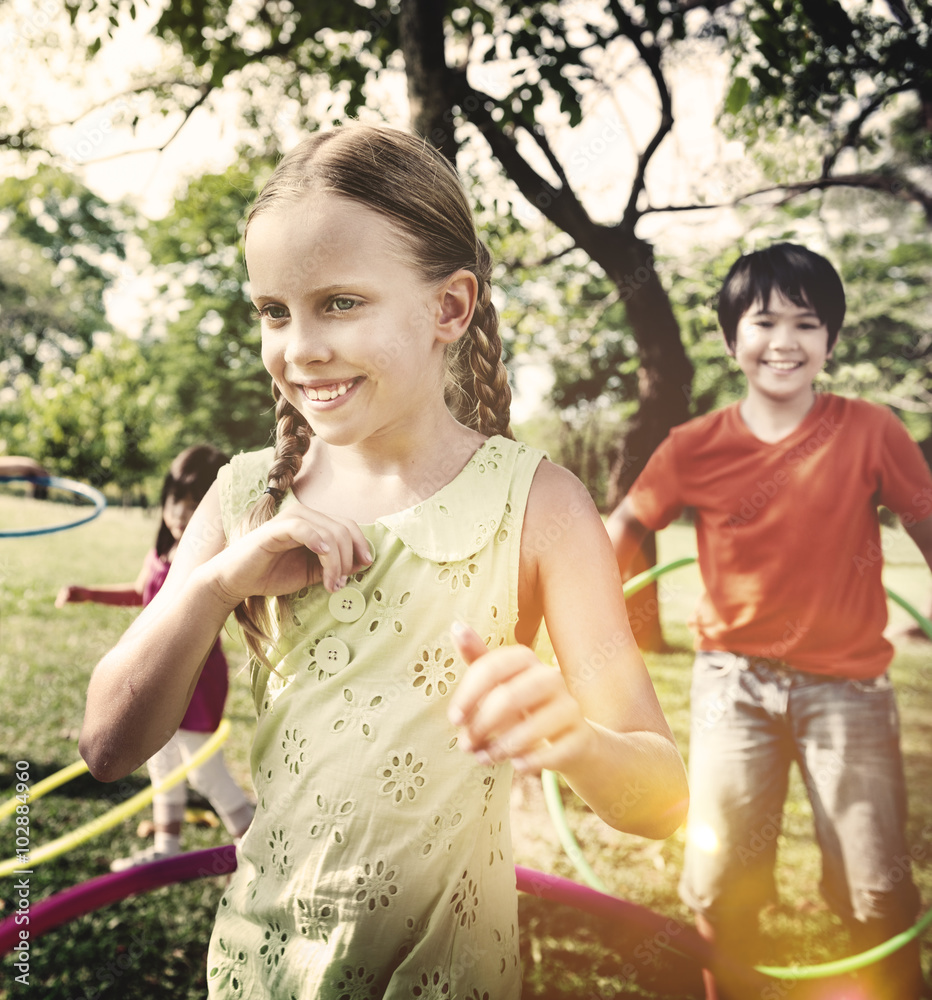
{"x":349,"y":327}
{"x":329,"y":391}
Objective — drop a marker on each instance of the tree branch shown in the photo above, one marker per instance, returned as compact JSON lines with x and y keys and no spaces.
{"x":560,"y":205}
{"x":650,"y":55}
{"x":853,"y":131}
{"x":895,"y":185}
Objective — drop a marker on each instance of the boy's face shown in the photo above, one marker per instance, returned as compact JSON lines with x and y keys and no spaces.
{"x":780,"y":347}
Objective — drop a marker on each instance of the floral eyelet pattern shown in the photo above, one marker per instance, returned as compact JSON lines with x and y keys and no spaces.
{"x":330,"y":821}
{"x":373,"y":831}
{"x":315,"y":922}
{"x":388,"y":612}
{"x":376,"y":884}
{"x":356,"y":984}
{"x":358,"y":715}
{"x":402,"y":776}
{"x":458,"y":575}
{"x":434,"y":671}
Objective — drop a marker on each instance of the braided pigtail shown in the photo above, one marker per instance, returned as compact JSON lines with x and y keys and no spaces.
{"x":490,"y":377}
{"x":292,"y":439}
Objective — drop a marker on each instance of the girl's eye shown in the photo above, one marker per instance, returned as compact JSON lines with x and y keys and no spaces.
{"x":343,"y":303}
{"x":273,"y":312}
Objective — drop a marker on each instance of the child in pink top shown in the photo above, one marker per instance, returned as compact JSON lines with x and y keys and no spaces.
{"x":188,"y":479}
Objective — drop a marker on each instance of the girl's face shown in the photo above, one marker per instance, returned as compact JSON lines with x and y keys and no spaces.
{"x":351,"y":334}
{"x":781,"y":348}
{"x":176,"y":512}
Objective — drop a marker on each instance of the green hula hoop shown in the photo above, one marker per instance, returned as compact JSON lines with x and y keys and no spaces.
{"x":575,"y":853}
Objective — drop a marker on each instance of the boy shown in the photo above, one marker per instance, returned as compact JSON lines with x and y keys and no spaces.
{"x":791,"y":659}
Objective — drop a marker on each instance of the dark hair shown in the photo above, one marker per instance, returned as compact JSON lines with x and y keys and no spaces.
{"x":190,"y":475}
{"x":806,"y":278}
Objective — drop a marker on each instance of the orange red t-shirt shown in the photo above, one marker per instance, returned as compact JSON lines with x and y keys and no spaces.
{"x":788,"y":535}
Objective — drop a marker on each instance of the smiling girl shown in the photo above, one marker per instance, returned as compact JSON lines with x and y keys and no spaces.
{"x":391,"y":560}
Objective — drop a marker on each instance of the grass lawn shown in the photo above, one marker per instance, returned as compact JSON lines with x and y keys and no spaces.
{"x":154,"y":946}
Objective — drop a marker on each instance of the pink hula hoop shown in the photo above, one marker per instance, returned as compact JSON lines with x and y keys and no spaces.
{"x":113,"y":887}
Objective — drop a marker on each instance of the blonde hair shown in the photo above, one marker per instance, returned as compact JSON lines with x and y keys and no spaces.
{"x":405,"y":179}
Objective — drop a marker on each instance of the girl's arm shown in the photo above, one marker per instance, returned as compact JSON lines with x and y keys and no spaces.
{"x":118,"y":594}
{"x":139,"y":691}
{"x":597,"y":720}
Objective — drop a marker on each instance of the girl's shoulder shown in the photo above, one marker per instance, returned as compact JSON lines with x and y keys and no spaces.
{"x":479,"y":503}
{"x":241,"y":482}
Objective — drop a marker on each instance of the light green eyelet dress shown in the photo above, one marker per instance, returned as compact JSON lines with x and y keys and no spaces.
{"x":379,"y":862}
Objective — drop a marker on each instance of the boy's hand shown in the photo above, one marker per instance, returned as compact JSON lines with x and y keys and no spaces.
{"x":297,"y":548}
{"x":510,"y":705}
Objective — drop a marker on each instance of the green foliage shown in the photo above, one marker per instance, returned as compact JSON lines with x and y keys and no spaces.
{"x":840,"y":67}
{"x":208,"y":358}
{"x":58,"y":243}
{"x":107,"y":421}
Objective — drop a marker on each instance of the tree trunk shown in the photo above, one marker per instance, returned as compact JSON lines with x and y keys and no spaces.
{"x":420,"y":26}
{"x":664,"y":387}
{"x":665,"y":381}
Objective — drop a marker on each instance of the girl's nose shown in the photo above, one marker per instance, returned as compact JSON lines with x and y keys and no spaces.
{"x":307,"y":344}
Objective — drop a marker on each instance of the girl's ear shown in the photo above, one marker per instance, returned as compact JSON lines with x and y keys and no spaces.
{"x":456,"y":301}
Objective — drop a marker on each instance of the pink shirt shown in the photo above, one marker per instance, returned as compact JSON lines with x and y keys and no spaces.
{"x":210,"y":694}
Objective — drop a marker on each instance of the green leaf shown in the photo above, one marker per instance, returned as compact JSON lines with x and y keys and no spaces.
{"x":738,"y":94}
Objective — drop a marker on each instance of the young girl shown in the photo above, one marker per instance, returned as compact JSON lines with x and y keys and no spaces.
{"x":187,"y":480}
{"x":419,"y":547}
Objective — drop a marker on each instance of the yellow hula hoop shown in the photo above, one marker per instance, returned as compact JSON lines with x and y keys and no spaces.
{"x":44,"y":786}
{"x":116,"y":815}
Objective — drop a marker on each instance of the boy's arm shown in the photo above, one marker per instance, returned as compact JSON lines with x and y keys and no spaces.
{"x":921,"y":534}
{"x":626,"y":533}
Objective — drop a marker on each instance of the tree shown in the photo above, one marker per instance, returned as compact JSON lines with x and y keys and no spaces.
{"x":859,"y":74}
{"x":208,"y":356}
{"x":514,"y":74}
{"x":446,"y":49}
{"x":58,"y":242}
{"x":104,"y":422}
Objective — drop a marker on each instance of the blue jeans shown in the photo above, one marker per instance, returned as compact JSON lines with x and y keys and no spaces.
{"x":751,"y":719}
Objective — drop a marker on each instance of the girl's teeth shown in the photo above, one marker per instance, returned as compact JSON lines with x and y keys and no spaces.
{"x":326,"y":394}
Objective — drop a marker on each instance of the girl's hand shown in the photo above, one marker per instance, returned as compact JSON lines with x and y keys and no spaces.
{"x":510,"y":705}
{"x":69,"y":595}
{"x":297,"y":548}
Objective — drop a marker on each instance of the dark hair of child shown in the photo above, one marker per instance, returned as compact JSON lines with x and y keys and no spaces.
{"x":190,"y":475}
{"x":806,"y":278}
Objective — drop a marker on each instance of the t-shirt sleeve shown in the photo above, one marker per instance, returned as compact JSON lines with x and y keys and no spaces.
{"x":654,"y":497}
{"x":906,"y":481}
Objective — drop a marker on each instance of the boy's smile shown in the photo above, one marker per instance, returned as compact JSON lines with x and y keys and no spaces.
{"x":781,"y":347}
